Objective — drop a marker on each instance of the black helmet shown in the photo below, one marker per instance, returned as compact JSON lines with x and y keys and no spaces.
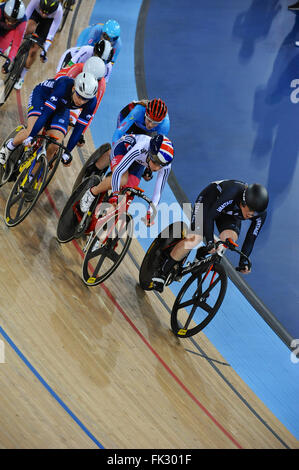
{"x":104,"y":50}
{"x":256,"y":197}
{"x":48,"y":6}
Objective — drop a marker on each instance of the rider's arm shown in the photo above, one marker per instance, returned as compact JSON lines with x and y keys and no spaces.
{"x":252,"y":233}
{"x":162,"y":178}
{"x":129,"y":120}
{"x":17,"y":35}
{"x":116,"y":49}
{"x":84,"y":53}
{"x":164,"y":127}
{"x":54,"y":27}
{"x":123,"y":166}
{"x":82,"y":122}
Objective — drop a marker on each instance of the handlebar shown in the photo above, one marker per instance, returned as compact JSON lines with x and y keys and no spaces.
{"x":139,"y":193}
{"x":36,"y":39}
{"x":53,"y":141}
{"x":231,"y":245}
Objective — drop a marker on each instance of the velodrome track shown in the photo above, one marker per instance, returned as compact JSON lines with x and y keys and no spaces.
{"x":99,"y":368}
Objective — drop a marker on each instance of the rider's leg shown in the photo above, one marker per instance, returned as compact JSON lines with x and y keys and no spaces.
{"x":10,"y":146}
{"x":52,"y":148}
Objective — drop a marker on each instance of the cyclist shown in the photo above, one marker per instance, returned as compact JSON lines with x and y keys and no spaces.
{"x":49,"y":107}
{"x":75,"y":55}
{"x":12,"y":28}
{"x":226,"y":203}
{"x":96,"y":67}
{"x":109,"y":31}
{"x":128,"y":154}
{"x":147,"y":117}
{"x":44,"y":18}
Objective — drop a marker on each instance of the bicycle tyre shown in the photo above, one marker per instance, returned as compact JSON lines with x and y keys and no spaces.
{"x":7,"y":169}
{"x":66,"y":11}
{"x":16,"y":70}
{"x":107,"y":250}
{"x":157,"y":252}
{"x":177,"y":327}
{"x":17,"y":194}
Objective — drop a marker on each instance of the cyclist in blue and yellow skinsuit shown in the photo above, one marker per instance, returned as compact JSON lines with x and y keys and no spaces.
{"x":94,"y":33}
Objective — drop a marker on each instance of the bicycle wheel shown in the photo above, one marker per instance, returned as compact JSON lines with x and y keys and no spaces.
{"x":107,"y":249}
{"x":15,"y":72}
{"x":198,"y":300}
{"x":7,"y":169}
{"x":68,"y":221}
{"x":18,"y":206}
{"x":157,"y":252}
{"x":66,"y":10}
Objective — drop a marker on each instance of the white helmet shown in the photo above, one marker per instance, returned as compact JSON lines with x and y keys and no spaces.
{"x":86,"y":85}
{"x":95,"y":66}
{"x":15,"y":9}
{"x":104,"y":50}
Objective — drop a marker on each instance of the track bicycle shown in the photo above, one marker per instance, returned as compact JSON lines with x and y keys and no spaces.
{"x":109,"y":229}
{"x":3,"y":96}
{"x":202,"y":294}
{"x":34,"y":174}
{"x":19,"y":62}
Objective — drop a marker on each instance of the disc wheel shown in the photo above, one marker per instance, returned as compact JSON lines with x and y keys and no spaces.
{"x":107,"y":249}
{"x":198,"y":300}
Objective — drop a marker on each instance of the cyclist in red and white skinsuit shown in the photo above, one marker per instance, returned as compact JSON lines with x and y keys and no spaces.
{"x":13,"y":22}
{"x":96,"y":67}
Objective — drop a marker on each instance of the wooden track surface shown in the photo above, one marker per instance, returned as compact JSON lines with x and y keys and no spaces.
{"x":106,"y":352}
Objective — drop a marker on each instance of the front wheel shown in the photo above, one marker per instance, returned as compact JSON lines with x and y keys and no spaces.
{"x":107,"y":249}
{"x":198,"y":300}
{"x":10,"y":166}
{"x":24,"y":194}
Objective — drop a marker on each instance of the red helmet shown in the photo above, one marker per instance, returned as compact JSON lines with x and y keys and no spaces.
{"x":156,"y":110}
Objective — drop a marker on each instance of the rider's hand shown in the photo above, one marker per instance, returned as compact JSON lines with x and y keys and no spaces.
{"x":147,"y":174}
{"x":244,"y":268}
{"x":210,"y":247}
{"x":43,"y":57}
{"x":27,"y":142}
{"x":5,"y":66}
{"x":66,"y":159}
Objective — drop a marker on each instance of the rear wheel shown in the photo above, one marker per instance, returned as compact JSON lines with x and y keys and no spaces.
{"x":15,"y":72}
{"x":24,"y":195}
{"x":198,"y":300}
{"x":107,"y":249}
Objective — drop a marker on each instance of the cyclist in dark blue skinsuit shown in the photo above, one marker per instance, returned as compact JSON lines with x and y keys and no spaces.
{"x":49,"y":106}
{"x":226,"y":203}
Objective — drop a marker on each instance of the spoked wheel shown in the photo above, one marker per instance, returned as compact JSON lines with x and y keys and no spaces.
{"x":7,"y":169}
{"x":198,"y":300}
{"x":67,"y":7}
{"x":24,"y":194}
{"x":107,"y":249}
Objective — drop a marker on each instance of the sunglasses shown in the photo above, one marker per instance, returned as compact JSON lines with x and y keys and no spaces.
{"x":152,"y":121}
{"x":108,"y":38}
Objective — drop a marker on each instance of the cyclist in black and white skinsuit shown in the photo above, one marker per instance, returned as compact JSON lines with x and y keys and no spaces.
{"x":226,"y":203}
{"x":44,"y":18}
{"x":130,"y":154}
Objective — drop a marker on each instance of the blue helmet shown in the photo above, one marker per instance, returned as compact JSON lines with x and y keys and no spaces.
{"x":112,"y":29}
